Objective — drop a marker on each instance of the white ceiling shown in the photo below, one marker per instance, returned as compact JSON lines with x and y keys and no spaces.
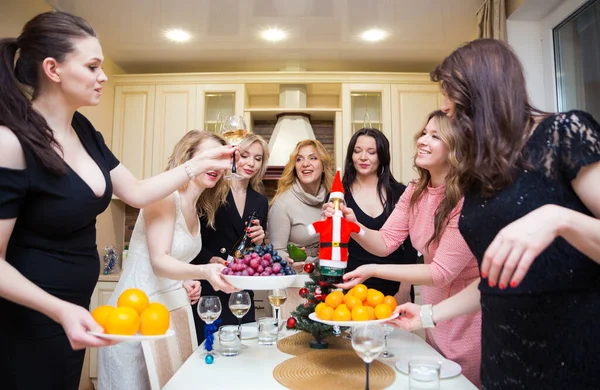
{"x":323,"y":34}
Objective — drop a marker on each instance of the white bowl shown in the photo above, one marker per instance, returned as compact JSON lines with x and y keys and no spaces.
{"x":260,"y":282}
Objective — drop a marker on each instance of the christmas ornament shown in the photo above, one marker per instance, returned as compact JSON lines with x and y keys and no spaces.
{"x":334,"y":235}
{"x":209,"y":359}
{"x":303,"y":292}
{"x":291,"y":323}
{"x":309,"y":267}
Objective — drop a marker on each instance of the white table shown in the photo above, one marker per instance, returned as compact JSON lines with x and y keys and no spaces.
{"x":255,"y":365}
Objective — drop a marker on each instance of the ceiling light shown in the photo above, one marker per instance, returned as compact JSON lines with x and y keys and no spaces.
{"x":373,"y":35}
{"x":273,"y":35}
{"x":177,"y":35}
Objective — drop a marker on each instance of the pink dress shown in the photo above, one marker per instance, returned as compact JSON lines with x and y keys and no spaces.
{"x":453,"y":267}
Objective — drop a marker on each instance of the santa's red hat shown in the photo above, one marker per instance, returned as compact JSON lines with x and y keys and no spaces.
{"x":337,"y":190}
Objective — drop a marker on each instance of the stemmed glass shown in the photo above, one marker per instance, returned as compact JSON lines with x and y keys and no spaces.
{"x":234,"y":129}
{"x":387,"y":330}
{"x":239,"y":304}
{"x":209,"y":309}
{"x":368,"y":342}
{"x":277,"y":298}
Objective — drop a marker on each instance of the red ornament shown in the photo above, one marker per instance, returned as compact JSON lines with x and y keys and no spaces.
{"x":319,"y":298}
{"x":309,"y":267}
{"x":303,"y":292}
{"x":291,"y":323}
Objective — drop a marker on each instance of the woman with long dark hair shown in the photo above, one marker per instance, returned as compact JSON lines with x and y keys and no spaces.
{"x":57,"y":175}
{"x":372,"y":192}
{"x":530,"y":217}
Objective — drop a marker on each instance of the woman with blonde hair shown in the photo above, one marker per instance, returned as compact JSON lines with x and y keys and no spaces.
{"x":244,"y":196}
{"x":428,"y":210}
{"x":301,"y":191}
{"x":165,"y":239}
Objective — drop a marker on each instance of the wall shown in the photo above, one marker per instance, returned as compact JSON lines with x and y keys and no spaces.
{"x":530,"y":34}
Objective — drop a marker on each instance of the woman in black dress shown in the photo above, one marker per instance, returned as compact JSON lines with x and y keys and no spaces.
{"x":56,"y":176}
{"x":243,"y":198}
{"x":530,"y":217}
{"x":368,"y":180}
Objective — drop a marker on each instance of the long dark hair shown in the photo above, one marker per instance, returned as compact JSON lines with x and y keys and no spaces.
{"x":485,"y":79}
{"x":453,"y":192}
{"x":385,"y":178}
{"x":50,"y":34}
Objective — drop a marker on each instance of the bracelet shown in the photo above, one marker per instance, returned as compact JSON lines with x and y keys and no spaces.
{"x":427,"y":316}
{"x":188,"y":170}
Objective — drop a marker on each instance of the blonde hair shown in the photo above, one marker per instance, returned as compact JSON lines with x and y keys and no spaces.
{"x":250,"y":138}
{"x":289,"y":174}
{"x":211,"y":198}
{"x":453,"y":192}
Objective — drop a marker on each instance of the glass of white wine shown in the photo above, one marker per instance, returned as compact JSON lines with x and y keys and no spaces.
{"x":368,"y":343}
{"x":277,"y":298}
{"x":209,"y":309}
{"x":234,"y":129}
{"x":239,"y":304}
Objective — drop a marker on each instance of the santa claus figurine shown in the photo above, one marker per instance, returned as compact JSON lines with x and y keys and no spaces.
{"x":334,"y":236}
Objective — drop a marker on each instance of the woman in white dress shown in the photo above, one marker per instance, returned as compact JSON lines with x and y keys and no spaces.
{"x":165,"y":239}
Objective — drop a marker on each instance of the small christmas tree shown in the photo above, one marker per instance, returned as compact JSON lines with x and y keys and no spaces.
{"x":314,"y":291}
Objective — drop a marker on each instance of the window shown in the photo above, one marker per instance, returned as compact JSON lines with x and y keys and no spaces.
{"x":577,"y":60}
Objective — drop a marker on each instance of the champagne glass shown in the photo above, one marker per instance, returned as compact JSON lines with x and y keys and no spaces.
{"x":368,"y":342}
{"x":277,"y":298}
{"x":387,"y":330}
{"x":234,"y":130}
{"x":239,"y":304}
{"x":209,"y":309}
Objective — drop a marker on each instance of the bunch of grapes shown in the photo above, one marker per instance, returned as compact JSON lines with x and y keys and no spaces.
{"x":259,"y":261}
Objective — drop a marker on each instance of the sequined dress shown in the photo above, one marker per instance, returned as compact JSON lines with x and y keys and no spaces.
{"x":543,"y":334}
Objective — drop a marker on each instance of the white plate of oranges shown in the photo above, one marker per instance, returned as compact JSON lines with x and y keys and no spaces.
{"x":359,"y":306}
{"x":134,"y":318}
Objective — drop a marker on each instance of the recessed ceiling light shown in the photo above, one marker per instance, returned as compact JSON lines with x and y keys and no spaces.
{"x":273,"y":35}
{"x":177,"y":35}
{"x":373,"y":35}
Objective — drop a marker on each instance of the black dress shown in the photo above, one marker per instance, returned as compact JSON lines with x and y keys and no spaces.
{"x":229,"y":226}
{"x":53,"y":244}
{"x":544,"y":333}
{"x":358,"y":256}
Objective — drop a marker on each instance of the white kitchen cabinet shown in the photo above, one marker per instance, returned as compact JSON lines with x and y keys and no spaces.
{"x":216,"y":102}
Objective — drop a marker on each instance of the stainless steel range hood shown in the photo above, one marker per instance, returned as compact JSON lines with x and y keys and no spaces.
{"x":292,"y":126}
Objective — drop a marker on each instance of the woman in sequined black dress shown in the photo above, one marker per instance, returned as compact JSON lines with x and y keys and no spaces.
{"x":530,"y":217}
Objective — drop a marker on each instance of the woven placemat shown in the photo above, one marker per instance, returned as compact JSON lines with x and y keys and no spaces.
{"x":298,"y":344}
{"x":332,"y":369}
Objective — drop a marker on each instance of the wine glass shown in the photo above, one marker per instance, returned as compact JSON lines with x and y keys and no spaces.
{"x":239,"y":304}
{"x":368,"y":342}
{"x":234,"y":129}
{"x":277,"y":298}
{"x":387,"y":330}
{"x":209,"y":309}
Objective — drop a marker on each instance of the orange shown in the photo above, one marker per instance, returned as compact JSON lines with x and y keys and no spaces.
{"x":342,"y":314}
{"x":325,"y":313}
{"x":154,"y":320}
{"x":374,"y":297}
{"x":123,"y":321}
{"x":370,"y":312}
{"x":383,"y":311}
{"x":133,"y":298}
{"x":360,"y":291}
{"x":390,"y":301}
{"x":353,"y":302}
{"x":100,"y":313}
{"x":319,"y":307}
{"x":334,"y":299}
{"x":360,"y":313}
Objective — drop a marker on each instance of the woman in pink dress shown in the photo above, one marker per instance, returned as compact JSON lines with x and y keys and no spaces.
{"x":429,"y":211}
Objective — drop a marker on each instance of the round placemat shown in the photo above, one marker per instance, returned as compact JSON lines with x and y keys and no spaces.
{"x":298,"y":344}
{"x":332,"y":369}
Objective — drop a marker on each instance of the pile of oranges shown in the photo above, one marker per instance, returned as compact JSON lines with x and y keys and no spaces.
{"x":358,"y":304}
{"x":133,"y":313}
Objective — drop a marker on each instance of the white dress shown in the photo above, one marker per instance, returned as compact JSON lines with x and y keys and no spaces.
{"x":122,"y":366}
